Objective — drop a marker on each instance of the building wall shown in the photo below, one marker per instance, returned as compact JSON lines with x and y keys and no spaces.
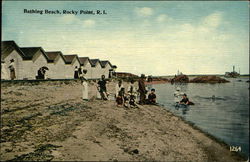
{"x":105,"y":70}
{"x":60,"y":68}
{"x":70,"y":69}
{"x":96,"y":72}
{"x":27,"y":72}
{"x":56,"y":69}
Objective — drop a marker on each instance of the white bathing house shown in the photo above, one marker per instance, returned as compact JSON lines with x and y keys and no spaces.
{"x":96,"y":70}
{"x":36,"y":58}
{"x":28,"y":60}
{"x":56,"y":65}
{"x":9,"y":51}
{"x":85,"y":62}
{"x":71,"y":61}
{"x":106,"y":68}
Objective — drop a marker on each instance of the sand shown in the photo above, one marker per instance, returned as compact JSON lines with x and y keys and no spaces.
{"x":49,"y":121}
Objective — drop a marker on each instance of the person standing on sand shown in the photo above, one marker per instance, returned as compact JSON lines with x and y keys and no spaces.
{"x":80,"y":72}
{"x":84,"y":87}
{"x":132,"y":91}
{"x":76,"y":76}
{"x":118,"y":87}
{"x":102,"y":88}
{"x":12,"y":70}
{"x":4,"y":73}
{"x":142,"y":90}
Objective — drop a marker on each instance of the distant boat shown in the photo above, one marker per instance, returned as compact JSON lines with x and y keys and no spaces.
{"x":232,"y":74}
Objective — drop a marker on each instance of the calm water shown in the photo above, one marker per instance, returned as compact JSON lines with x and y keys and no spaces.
{"x":226,"y":117}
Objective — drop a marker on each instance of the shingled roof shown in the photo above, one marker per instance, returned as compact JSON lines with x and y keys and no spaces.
{"x":104,"y":63}
{"x":94,"y":61}
{"x":8,"y":46}
{"x":29,"y":52}
{"x":70,"y":58}
{"x":53,"y":54}
{"x":83,"y":60}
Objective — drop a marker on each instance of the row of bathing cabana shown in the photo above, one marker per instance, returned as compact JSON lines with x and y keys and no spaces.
{"x":28,"y":60}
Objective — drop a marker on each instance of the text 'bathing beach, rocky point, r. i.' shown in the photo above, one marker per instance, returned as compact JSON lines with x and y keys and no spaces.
{"x":64,"y":12}
{"x":54,"y":107}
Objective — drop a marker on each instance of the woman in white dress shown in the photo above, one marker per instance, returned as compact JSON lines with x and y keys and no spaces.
{"x":85,"y":90}
{"x":4,"y":73}
{"x":12,"y":69}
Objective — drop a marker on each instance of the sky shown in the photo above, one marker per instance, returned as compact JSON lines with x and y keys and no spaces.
{"x":153,"y":38}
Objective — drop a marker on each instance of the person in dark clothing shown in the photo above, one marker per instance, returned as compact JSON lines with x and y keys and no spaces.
{"x":120,"y":97}
{"x":102,"y":88}
{"x":80,"y":74}
{"x":41,"y":73}
{"x":142,"y":89}
{"x":184,"y":100}
{"x":76,"y":76}
{"x":12,"y":70}
{"x":151,"y":97}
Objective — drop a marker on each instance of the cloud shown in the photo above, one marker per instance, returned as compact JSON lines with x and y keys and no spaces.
{"x":163,"y":18}
{"x":72,"y":19}
{"x":213,"y":20}
{"x":69,"y":19}
{"x":167,"y":49}
{"x":144,"y":11}
{"x":88,"y":23}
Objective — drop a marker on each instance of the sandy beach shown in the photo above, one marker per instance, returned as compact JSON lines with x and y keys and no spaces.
{"x":49,"y":121}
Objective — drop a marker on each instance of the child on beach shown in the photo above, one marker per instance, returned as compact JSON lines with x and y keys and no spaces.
{"x":151,"y":97}
{"x":132,"y":90}
{"x":102,"y":88}
{"x":120,"y":97}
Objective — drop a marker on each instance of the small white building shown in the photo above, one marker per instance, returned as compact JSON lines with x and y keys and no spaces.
{"x":28,"y":60}
{"x":85,"y":62}
{"x":106,"y":68}
{"x":9,"y":51}
{"x":71,"y":61}
{"x":96,"y":70}
{"x":36,"y":58}
{"x":56,"y":65}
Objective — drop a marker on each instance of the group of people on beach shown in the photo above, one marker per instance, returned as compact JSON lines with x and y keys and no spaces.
{"x":134,"y":93}
{"x":130,"y":97}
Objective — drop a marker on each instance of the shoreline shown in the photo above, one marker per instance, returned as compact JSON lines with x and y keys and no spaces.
{"x":220,"y":141}
{"x":120,"y":136}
